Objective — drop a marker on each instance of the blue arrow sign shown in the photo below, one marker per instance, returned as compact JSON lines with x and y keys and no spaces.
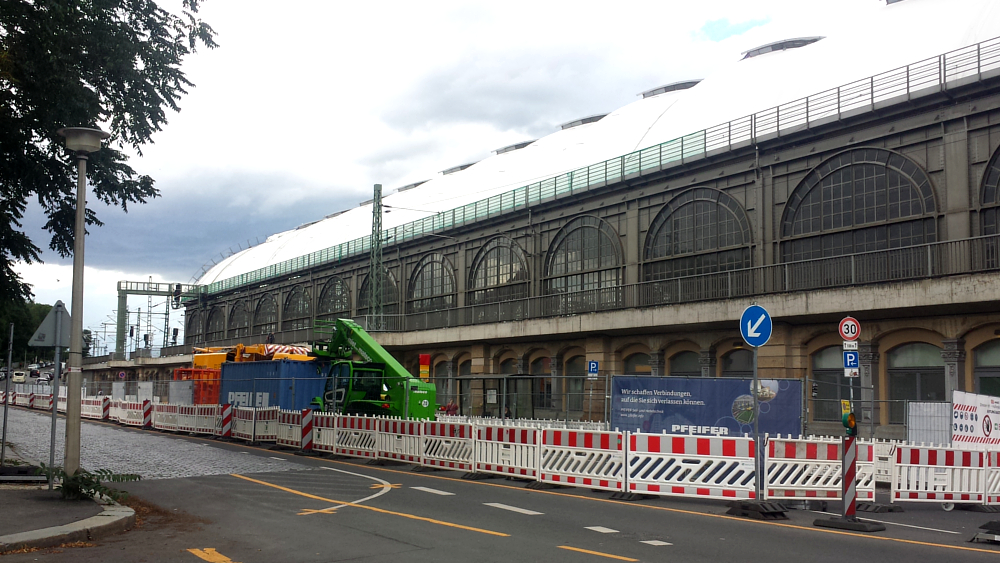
{"x":592,"y":367}
{"x":851,"y":359}
{"x":755,"y":326}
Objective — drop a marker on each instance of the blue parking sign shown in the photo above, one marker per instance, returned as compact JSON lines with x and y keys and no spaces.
{"x":592,"y":367}
{"x":851,"y":359}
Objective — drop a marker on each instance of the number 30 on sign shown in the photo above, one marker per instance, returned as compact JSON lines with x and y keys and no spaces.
{"x":850,"y":328}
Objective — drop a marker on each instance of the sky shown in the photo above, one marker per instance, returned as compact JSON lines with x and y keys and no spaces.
{"x":306,"y":104}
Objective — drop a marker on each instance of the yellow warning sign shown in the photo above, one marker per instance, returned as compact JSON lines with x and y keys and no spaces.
{"x":845,"y":407}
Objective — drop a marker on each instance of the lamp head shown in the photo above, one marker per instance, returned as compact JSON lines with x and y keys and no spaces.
{"x":83,"y":139}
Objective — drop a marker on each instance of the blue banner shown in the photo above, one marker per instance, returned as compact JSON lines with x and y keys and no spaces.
{"x":705,"y":406}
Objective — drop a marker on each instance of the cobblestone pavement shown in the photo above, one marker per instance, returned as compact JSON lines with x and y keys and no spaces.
{"x":147,"y":453}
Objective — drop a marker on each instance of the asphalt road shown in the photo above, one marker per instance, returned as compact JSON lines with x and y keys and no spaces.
{"x":341,"y":509}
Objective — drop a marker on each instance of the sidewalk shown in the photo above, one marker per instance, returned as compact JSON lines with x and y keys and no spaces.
{"x":37,"y":517}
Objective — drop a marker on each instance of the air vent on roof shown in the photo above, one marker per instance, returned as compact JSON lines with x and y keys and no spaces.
{"x":304,"y":225}
{"x":332,"y":215}
{"x":366,"y":202}
{"x":458,"y":168}
{"x":584,"y":121}
{"x":682,"y":85}
{"x":410,"y":186}
{"x":887,"y":2}
{"x":780,"y":46}
{"x":514,"y":147}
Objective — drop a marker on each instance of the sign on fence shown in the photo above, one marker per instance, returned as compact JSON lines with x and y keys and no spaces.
{"x":705,"y":406}
{"x":975,"y":419}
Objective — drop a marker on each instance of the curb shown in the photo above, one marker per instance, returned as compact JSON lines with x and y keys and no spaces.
{"x":114,"y":519}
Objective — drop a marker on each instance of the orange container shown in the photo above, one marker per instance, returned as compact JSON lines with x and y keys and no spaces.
{"x":207,"y":383}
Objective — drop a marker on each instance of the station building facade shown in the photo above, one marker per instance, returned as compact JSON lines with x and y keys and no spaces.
{"x":885,"y":211}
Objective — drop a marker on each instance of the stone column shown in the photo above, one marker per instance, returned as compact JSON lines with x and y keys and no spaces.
{"x":953,"y":355}
{"x":868,"y":362}
{"x":708,"y":362}
{"x":558,"y":384}
{"x":656,"y":366}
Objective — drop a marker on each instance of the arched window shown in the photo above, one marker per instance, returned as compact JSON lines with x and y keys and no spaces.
{"x":296,"y":314}
{"x":576,"y":375}
{"x":390,"y":295}
{"x":987,"y":363}
{"x":432,"y":285}
{"x":334,"y":300}
{"x":916,"y":373}
{"x":442,"y":376}
{"x":638,"y":364}
{"x":857,"y":201}
{"x":585,"y":255}
{"x":738,"y":363}
{"x":239,"y":320}
{"x":541,"y":397}
{"x":193,"y":328}
{"x":830,"y":385}
{"x":265,"y":318}
{"x":465,"y":403}
{"x":699,"y":231}
{"x":989,"y":198}
{"x":685,"y":364}
{"x":499,"y":273}
{"x":508,"y":366}
{"x":216,"y":325}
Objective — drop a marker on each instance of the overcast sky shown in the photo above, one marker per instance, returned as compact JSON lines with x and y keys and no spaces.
{"x":306,"y":104}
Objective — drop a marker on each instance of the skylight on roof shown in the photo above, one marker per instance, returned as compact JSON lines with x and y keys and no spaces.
{"x":458,"y":168}
{"x":780,"y":46}
{"x":673,"y":86}
{"x":582,"y":121}
{"x":514,"y":147}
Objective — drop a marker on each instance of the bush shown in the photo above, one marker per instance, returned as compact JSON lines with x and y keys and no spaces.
{"x":88,"y":484}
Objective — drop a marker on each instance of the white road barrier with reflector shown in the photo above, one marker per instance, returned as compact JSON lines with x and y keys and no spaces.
{"x":691,"y":466}
{"x":506,"y":450}
{"x":95,"y":408}
{"x":243,"y":423}
{"x":448,"y":445}
{"x":812,"y":468}
{"x":165,"y":417}
{"x":595,"y":460}
{"x":206,"y":419}
{"x":266,"y":425}
{"x":289,"y":429}
{"x":933,"y":474}
{"x":187,"y":418}
{"x":357,"y":436}
{"x":325,"y":432}
{"x":400,"y":440}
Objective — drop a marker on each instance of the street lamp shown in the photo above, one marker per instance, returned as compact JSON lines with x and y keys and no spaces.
{"x":81,"y":141}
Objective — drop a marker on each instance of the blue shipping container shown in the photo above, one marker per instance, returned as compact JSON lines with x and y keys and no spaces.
{"x":288,"y":384}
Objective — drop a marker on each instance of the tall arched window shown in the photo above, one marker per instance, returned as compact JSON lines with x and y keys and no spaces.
{"x":738,"y":363}
{"x":265,"y":318}
{"x":860,"y":200}
{"x":916,"y":373}
{"x":541,"y":368}
{"x":638,"y":364}
{"x":576,"y":372}
{"x":830,"y":385}
{"x":685,"y":364}
{"x":989,"y":197}
{"x":499,"y":273}
{"x":986,"y":359}
{"x":699,"y":231}
{"x":239,"y":320}
{"x":334,"y":300}
{"x":585,"y":255}
{"x":390,"y":295}
{"x":296,"y":313}
{"x":432,"y":285}
{"x":193,"y":328}
{"x":216,"y":325}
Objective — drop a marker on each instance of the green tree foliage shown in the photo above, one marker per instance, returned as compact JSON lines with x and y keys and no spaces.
{"x":64,"y":63}
{"x":87,"y":339}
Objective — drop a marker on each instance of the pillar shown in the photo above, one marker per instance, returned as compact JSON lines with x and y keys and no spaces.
{"x":708,"y":362}
{"x":868,"y":363}
{"x":656,"y":367}
{"x":953,"y":355}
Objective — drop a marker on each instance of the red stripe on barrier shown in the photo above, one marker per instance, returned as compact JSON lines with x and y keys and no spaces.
{"x":728,"y":448}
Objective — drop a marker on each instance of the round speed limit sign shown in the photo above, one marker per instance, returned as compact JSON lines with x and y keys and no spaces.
{"x":850,"y":328}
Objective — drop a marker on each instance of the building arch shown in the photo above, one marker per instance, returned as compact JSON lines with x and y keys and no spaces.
{"x":390,"y":295}
{"x":989,"y":197}
{"x":297,"y":311}
{"x":265,"y":316}
{"x":586,"y":254}
{"x":699,"y":231}
{"x":193,"y":327}
{"x":216,"y":326}
{"x":432,"y":285}
{"x":499,"y":272}
{"x":334,"y":300}
{"x":239,"y":320}
{"x":858,"y":200}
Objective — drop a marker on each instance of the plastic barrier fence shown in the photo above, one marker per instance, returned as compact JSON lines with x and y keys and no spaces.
{"x":24,"y":399}
{"x":3,"y":397}
{"x":61,"y":404}
{"x":506,"y":450}
{"x":885,"y":454}
{"x":357,"y":436}
{"x":400,"y":440}
{"x":812,"y":468}
{"x":117,"y":411}
{"x":932,"y":474}
{"x":165,"y":417}
{"x":187,"y":418}
{"x":205,"y":418}
{"x":448,"y":445}
{"x":992,"y":485}
{"x":689,"y":466}
{"x":243,"y":423}
{"x":266,"y":425}
{"x":325,"y":432}
{"x":587,"y":459}
{"x":42,"y":402}
{"x":224,"y":422}
{"x":137,"y":414}
{"x":95,"y":408}
{"x":289,"y":429}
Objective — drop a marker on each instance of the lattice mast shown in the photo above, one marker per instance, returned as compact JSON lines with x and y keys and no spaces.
{"x":375,"y":269}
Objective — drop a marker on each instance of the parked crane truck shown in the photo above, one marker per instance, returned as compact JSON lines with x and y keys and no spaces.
{"x":375,"y":385}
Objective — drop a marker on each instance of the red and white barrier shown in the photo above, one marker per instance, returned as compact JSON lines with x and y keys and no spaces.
{"x":357,"y":436}
{"x":506,"y":450}
{"x":400,"y":440}
{"x":138,"y":414}
{"x":224,"y":424}
{"x":325,"y":432}
{"x":3,"y":397}
{"x":61,"y":404}
{"x":307,"y":430}
{"x":266,"y":425}
{"x":165,"y":417}
{"x":691,"y":466}
{"x":448,"y":445}
{"x":42,"y":402}
{"x":243,"y":423}
{"x":205,"y":419}
{"x":811,"y":468}
{"x":932,"y":474}
{"x":95,"y":408}
{"x":187,"y":418}
{"x":24,"y":399}
{"x":595,"y":460}
{"x":289,"y":429}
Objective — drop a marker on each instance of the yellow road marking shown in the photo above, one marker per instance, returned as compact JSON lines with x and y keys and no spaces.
{"x":386,"y":486}
{"x":209,"y":554}
{"x":372,"y":508}
{"x":619,"y":557}
{"x":307,"y":511}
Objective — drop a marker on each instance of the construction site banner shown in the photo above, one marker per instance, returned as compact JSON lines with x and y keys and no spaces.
{"x":705,"y":406}
{"x":975,"y":420}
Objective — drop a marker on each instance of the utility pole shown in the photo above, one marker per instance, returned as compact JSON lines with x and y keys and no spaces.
{"x":375,"y":281}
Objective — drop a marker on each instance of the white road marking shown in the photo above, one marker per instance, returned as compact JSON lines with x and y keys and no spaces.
{"x":601,"y":529}
{"x":278,"y":458}
{"x":433,"y":491}
{"x":655,"y":542}
{"x":245,"y":453}
{"x":513,"y":508}
{"x":385,"y":488}
{"x":893,"y":523}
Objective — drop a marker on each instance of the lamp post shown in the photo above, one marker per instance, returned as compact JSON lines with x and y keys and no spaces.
{"x":81,"y":141}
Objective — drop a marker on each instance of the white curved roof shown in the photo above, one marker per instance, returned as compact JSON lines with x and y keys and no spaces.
{"x":896,"y":35}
